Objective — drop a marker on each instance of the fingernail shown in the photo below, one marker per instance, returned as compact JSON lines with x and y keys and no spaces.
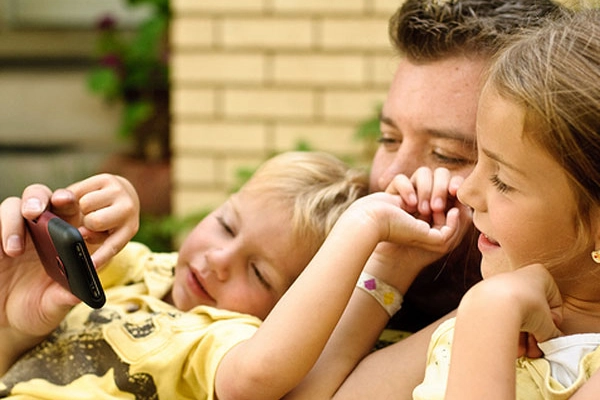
{"x":437,"y":203}
{"x":13,"y":243}
{"x":33,"y":204}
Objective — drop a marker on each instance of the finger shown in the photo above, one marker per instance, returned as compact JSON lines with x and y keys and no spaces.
{"x":439,"y":193}
{"x":455,"y":182}
{"x":96,"y":182}
{"x":35,"y":200}
{"x":117,"y":216}
{"x":64,"y":204}
{"x":12,"y":227}
{"x":401,"y":185}
{"x":422,"y":179}
{"x":110,"y":247}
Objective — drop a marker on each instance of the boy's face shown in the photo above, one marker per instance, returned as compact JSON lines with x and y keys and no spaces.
{"x":241,"y":257}
{"x":428,"y":119}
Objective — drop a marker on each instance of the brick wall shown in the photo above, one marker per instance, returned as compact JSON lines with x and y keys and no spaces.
{"x":251,"y":78}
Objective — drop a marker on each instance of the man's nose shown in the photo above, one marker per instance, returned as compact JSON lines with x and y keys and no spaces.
{"x":403,"y":163}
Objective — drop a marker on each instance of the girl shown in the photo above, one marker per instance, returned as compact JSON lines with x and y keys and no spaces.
{"x":535,"y":195}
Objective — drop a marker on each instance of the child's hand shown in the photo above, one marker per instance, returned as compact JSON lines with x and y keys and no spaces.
{"x":107,"y":213}
{"x":429,"y":196}
{"x":528,"y":295}
{"x":489,"y":324}
{"x":105,"y":209}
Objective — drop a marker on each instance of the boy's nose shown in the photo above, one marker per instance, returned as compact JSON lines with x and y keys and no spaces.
{"x":220,"y":262}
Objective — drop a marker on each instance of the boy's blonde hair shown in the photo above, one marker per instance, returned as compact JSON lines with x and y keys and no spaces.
{"x":317,"y":187}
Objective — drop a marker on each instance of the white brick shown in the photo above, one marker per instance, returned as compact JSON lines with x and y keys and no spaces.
{"x":194,"y":169}
{"x":189,"y":32}
{"x":218,"y":68}
{"x":268,"y":103}
{"x":187,"y":201}
{"x":383,"y":69}
{"x":319,"y":6}
{"x":338,"y":139}
{"x":220,"y":137}
{"x":387,"y":7}
{"x":221,"y":6}
{"x":265,"y":33}
{"x":193,"y":102}
{"x":319,"y":69}
{"x":367,"y":34}
{"x":352,"y":106}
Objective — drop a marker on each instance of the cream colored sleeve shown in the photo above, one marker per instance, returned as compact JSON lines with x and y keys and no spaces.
{"x":434,"y":384}
{"x":127,"y":266}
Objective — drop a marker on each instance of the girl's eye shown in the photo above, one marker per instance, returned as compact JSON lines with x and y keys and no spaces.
{"x":260,"y":277}
{"x":501,"y":186}
{"x":389,"y":144}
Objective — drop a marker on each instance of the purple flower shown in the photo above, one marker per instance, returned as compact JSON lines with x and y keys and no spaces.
{"x":107,"y":23}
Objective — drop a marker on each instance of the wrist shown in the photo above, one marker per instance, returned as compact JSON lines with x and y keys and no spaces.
{"x":12,"y":345}
{"x":386,"y":295}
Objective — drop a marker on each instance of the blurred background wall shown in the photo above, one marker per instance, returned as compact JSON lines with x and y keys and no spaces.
{"x":247,"y":79}
{"x":250,"y":78}
{"x":52,"y":129}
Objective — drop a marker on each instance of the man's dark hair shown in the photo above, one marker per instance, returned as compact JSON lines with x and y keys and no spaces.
{"x":428,"y":30}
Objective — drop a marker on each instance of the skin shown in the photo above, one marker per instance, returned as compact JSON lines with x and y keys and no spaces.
{"x":427,"y":120}
{"x":106,"y":210}
{"x":313,"y":304}
{"x":240,"y":260}
{"x":236,"y":259}
{"x":517,"y":187}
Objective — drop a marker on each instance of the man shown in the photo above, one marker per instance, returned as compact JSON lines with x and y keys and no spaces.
{"x":428,"y":119}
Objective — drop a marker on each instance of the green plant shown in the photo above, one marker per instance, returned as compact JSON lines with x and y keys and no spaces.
{"x":133,"y":69}
{"x":161,"y":233}
{"x":368,"y":131}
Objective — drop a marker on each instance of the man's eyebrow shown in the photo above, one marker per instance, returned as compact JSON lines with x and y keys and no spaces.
{"x":437,"y":133}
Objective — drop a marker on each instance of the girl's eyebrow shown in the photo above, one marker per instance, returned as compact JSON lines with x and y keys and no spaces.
{"x":501,"y":160}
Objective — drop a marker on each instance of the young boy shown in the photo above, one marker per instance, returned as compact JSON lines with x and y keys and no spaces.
{"x":169,"y":319}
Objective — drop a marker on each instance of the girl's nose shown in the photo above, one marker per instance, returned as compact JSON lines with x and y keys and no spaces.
{"x":469,"y":192}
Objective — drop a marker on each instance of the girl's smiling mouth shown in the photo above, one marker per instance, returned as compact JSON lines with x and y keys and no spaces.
{"x":486,"y":243}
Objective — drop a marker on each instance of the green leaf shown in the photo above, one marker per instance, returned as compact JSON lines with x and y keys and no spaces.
{"x":368,"y":129}
{"x":105,"y":82}
{"x":134,"y":114}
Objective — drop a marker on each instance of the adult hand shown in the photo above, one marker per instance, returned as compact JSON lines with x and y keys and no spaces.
{"x":31,"y":303}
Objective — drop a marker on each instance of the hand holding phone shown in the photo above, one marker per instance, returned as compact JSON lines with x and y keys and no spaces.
{"x":65,"y":257}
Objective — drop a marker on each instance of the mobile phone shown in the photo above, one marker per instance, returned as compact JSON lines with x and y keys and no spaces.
{"x":65,"y":257}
